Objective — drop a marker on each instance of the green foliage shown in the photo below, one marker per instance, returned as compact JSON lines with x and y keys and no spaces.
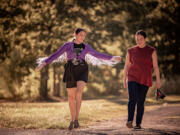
{"x":35,"y":28}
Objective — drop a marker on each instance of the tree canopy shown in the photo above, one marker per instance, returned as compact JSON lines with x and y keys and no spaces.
{"x":33,"y":28}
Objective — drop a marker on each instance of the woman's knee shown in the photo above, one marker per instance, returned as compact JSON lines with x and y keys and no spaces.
{"x":79,"y":91}
{"x":140,"y":102}
{"x":71,"y":95}
{"x":132,"y":99}
{"x":79,"y":95}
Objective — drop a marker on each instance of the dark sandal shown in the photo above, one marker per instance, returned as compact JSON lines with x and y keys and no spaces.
{"x":76,"y":124}
{"x":71,"y":125}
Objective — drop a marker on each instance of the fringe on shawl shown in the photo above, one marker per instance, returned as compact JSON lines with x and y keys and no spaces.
{"x":98,"y":62}
{"x":88,"y":58}
{"x":60,"y":59}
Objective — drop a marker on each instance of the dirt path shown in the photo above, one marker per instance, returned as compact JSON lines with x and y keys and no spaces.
{"x":165,"y":120}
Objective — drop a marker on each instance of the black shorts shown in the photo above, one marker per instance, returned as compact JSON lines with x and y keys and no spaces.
{"x":74,"y":73}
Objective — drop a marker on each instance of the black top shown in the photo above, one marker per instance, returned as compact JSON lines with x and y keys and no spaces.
{"x":78,"y":48}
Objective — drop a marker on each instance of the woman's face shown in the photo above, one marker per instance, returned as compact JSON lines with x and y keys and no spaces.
{"x":140,"y":40}
{"x":80,"y":37}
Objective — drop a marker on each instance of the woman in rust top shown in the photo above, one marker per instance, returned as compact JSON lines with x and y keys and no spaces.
{"x":140,"y":60}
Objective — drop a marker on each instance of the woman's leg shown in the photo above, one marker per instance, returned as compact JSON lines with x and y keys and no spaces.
{"x":133,"y":93}
{"x":80,"y":87}
{"x":72,"y":101}
{"x":140,"y":103}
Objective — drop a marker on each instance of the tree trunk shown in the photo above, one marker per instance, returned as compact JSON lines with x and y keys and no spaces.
{"x":56,"y":89}
{"x":43,"y":91}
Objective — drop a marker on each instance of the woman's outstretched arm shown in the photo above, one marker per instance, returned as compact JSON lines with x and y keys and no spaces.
{"x":102,"y":55}
{"x":52,"y":57}
{"x":55,"y":55}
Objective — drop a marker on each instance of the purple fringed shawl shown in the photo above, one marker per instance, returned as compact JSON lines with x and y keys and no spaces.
{"x":66,"y":52}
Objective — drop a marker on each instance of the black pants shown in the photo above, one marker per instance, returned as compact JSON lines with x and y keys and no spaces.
{"x":137,"y":95}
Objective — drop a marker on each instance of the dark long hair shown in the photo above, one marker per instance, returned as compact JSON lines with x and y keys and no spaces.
{"x":79,"y":30}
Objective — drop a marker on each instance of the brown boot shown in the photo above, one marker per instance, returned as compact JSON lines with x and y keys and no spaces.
{"x":129,"y":124}
{"x":137,"y":126}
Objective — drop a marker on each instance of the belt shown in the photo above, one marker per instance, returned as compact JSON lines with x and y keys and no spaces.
{"x":76,"y":61}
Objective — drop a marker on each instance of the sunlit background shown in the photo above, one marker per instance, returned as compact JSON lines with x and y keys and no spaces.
{"x":30,"y":29}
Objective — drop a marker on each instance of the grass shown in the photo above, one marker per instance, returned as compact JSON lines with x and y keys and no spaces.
{"x":56,"y":115}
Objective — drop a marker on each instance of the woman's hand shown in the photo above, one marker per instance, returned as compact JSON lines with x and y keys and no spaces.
{"x":41,"y":66}
{"x":158,"y":84}
{"x":116,"y":58}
